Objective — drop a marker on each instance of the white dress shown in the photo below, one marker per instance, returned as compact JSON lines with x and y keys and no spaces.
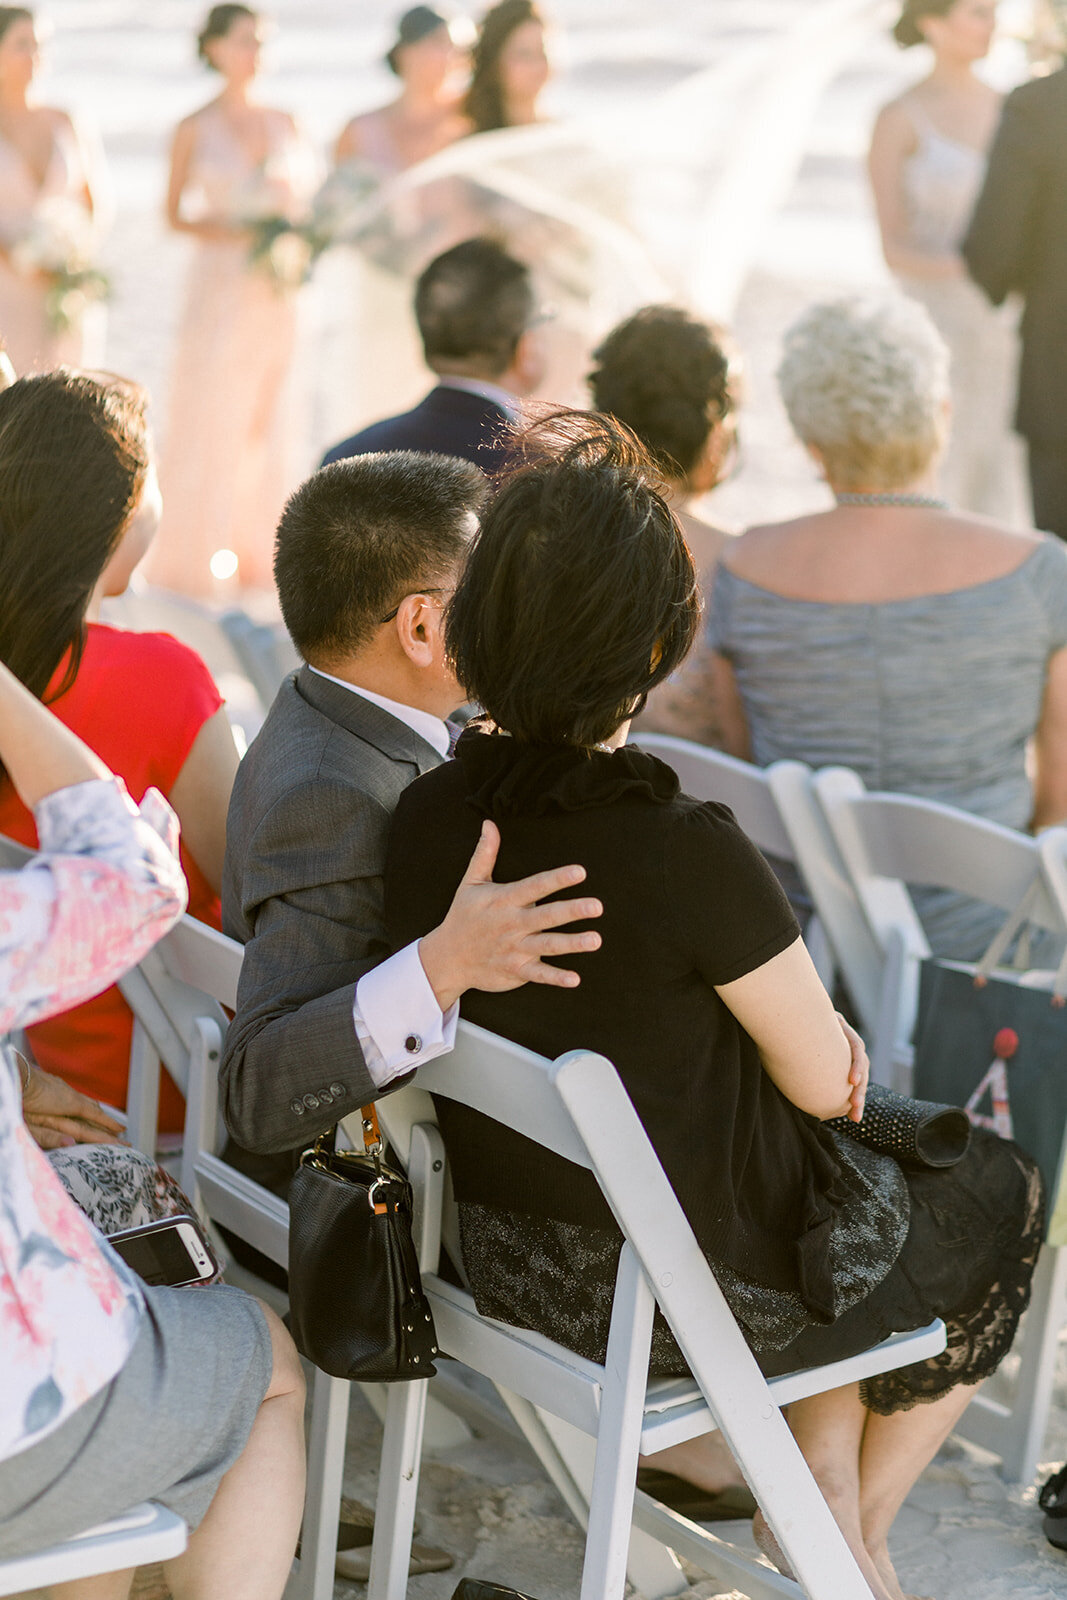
{"x":983,"y":467}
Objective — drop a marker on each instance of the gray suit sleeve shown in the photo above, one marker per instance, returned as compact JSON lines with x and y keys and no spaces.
{"x":311,"y":888}
{"x":998,"y":243}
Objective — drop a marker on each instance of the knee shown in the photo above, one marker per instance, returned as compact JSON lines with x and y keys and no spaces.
{"x":287,"y":1374}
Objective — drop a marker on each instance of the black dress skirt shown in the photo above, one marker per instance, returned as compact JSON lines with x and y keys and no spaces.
{"x":968,"y":1257}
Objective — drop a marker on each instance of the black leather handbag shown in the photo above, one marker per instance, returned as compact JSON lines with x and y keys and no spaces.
{"x":357,"y":1308}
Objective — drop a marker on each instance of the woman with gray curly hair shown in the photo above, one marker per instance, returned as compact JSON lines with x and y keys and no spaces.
{"x":920,"y":646}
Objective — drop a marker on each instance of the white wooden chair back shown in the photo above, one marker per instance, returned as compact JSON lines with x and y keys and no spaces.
{"x":887,"y":842}
{"x":891,"y":841}
{"x":577,"y":1107}
{"x":140,"y":1537}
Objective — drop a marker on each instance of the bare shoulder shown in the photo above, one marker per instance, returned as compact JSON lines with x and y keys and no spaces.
{"x":896,"y":120}
{"x":758,"y":552}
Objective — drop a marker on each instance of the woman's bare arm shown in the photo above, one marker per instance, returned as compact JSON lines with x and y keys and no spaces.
{"x":1050,"y":747}
{"x":181,"y":156}
{"x":733,"y":724}
{"x":38,"y":752}
{"x":201,"y":795}
{"x":783,"y":1006}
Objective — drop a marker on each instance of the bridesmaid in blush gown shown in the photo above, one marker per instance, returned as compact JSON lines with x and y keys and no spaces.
{"x":927,"y":162}
{"x":45,"y":191}
{"x":230,"y":433}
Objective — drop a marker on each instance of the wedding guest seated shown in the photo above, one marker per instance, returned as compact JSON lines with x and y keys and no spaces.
{"x":478,"y":322}
{"x":89,"y":1353}
{"x":921,"y":646}
{"x":673,"y":379}
{"x":324,"y":1022}
{"x":579,"y":596}
{"x":81,"y":504}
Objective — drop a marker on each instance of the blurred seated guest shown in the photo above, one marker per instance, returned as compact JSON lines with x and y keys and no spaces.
{"x":81,"y":503}
{"x":510,"y":68}
{"x":922,"y":647}
{"x":426,"y":115}
{"x":477,"y":318}
{"x":578,"y":597}
{"x":87,"y":1351}
{"x":673,"y":380}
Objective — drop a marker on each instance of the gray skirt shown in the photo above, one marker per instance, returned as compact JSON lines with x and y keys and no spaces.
{"x":167,"y":1428}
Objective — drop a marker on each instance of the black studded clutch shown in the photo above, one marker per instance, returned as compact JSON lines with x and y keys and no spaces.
{"x":918,"y":1133}
{"x":357,"y":1307}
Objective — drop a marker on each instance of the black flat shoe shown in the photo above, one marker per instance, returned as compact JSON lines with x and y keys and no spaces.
{"x":732,"y":1504}
{"x":480,"y":1589}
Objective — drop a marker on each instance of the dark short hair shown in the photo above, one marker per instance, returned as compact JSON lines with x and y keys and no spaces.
{"x":219,"y":21}
{"x":418,"y":23}
{"x":360,"y":534}
{"x":665,"y":374}
{"x":579,"y":576}
{"x":907,"y":31}
{"x":473,"y":304}
{"x":74,"y":455}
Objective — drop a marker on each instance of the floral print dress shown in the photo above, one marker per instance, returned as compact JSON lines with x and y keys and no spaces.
{"x":104,"y":888}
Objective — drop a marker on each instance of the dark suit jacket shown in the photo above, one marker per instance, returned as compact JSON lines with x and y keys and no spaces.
{"x":1018,"y":241}
{"x":305,"y":851}
{"x":450,"y":422}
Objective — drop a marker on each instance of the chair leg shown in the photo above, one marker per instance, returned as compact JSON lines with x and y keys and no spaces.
{"x":398,"y":1487}
{"x":314,"y":1576}
{"x":1016,"y":1432}
{"x":569,"y":1457}
{"x":618,"y":1444}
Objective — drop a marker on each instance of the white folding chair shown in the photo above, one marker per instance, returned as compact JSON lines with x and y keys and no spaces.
{"x":888,"y":841}
{"x":140,"y":1537}
{"x":751,"y":794}
{"x":577,"y":1107}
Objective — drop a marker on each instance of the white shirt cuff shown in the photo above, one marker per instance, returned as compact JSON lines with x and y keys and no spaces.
{"x":397,"y":1019}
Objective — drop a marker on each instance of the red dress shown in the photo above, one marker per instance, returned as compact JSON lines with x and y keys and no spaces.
{"x":139,"y":701}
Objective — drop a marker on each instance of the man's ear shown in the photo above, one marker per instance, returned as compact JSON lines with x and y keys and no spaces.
{"x":416,"y":624}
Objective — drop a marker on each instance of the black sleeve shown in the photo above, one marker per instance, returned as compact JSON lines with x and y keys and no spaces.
{"x":723,"y":897}
{"x":998,"y":245}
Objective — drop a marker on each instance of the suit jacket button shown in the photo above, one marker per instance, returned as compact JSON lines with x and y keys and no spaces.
{"x":311,"y":1101}
{"x":412,"y":1044}
{"x":325,"y":1097}
{"x":337,"y":1090}
{"x":297,"y":1106}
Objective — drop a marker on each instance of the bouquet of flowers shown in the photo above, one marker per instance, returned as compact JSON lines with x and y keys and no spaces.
{"x":285,"y":250}
{"x":59,"y":244}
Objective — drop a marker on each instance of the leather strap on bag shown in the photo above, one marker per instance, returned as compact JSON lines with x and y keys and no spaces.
{"x":373,"y":1146}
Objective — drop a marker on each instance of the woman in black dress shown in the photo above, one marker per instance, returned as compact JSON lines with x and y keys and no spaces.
{"x":579,"y":596}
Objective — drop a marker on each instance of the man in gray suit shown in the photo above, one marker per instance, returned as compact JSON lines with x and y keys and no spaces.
{"x":368,"y":552}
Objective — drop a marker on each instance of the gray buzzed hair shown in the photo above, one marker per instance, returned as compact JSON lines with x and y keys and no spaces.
{"x":865,"y":380}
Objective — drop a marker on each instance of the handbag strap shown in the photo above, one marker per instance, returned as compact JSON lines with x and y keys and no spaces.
{"x":1017,"y":920}
{"x":372,"y":1133}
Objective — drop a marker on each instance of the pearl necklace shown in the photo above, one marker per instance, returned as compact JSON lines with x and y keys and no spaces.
{"x":926,"y":502}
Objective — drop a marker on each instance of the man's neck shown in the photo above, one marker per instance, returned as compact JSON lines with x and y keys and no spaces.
{"x":376,"y":679}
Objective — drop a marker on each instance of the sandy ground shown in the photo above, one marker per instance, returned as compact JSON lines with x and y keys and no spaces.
{"x":964,"y":1534}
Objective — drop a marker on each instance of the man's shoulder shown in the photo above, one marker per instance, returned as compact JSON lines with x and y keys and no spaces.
{"x":302,"y":749}
{"x":390,"y":433}
{"x":1039,"y":97}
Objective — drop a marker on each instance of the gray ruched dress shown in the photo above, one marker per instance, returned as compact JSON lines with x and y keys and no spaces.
{"x":935,"y":696}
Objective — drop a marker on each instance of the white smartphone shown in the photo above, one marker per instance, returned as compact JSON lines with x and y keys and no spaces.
{"x":170,"y":1253}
